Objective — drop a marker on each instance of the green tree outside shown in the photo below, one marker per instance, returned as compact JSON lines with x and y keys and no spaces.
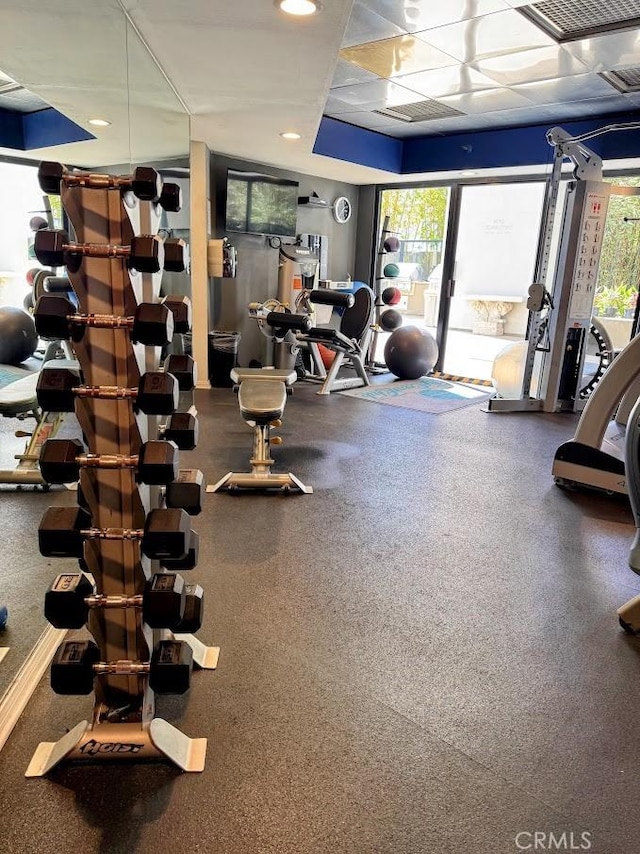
{"x":418,"y":214}
{"x":619,"y":272}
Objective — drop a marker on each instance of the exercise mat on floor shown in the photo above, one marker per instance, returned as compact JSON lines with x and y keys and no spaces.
{"x":425,"y":394}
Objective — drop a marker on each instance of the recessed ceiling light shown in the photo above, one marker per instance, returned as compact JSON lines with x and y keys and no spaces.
{"x":299,"y":7}
{"x":100,"y":123}
{"x":468,"y":173}
{"x":290,"y":134}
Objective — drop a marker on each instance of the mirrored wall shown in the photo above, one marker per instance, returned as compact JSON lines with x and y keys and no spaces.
{"x":148,"y":125}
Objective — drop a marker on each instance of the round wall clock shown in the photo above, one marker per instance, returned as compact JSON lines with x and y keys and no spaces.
{"x":341,"y":209}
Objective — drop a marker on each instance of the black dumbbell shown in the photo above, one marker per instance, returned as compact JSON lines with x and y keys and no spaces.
{"x":176,"y":255}
{"x":190,"y":559}
{"x":56,"y":318}
{"x":186,"y":491}
{"x":61,"y":461}
{"x":181,"y":428}
{"x":193,"y":610}
{"x":166,"y":533}
{"x":184,"y":369}
{"x":164,"y":601}
{"x":77,"y":663}
{"x":181,"y":309}
{"x":53,"y":248}
{"x":57,"y":388}
{"x":145,"y":182}
{"x":68,"y":601}
{"x":171,"y":198}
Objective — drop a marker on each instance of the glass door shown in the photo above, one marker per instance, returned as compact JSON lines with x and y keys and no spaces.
{"x":490,"y":274}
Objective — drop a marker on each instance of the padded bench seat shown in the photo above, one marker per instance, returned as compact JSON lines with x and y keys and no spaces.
{"x":239,"y":375}
{"x":261,"y":401}
{"x":20,"y":396}
{"x":330,"y":336}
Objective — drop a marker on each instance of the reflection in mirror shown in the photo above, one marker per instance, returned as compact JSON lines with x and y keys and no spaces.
{"x":122,"y":84}
{"x":159,"y":137}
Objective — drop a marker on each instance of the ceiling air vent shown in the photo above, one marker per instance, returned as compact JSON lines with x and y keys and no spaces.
{"x":7,"y":86}
{"x":421,"y":111}
{"x":19,"y":100}
{"x":567,"y":20}
{"x":624,"y":79}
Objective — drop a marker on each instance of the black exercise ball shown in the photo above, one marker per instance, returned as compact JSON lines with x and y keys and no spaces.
{"x":18,"y":336}
{"x":391,"y":244}
{"x":390,"y":319}
{"x":411,"y":352}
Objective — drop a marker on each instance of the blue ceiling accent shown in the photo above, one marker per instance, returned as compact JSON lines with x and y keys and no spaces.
{"x":358,"y":145}
{"x":26,"y":131}
{"x":524,"y":146}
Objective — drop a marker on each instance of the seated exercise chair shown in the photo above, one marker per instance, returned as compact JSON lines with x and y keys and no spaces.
{"x":262,"y":395}
{"x":348,"y":337}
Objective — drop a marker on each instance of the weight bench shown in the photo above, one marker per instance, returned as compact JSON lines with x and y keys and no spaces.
{"x":349,"y":342}
{"x":262,"y":395}
{"x":19,"y":400}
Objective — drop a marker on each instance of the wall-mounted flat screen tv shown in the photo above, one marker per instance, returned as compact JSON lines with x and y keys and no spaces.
{"x":261,"y":204}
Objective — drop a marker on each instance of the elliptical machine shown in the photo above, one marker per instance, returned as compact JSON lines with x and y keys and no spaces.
{"x":629,"y":613}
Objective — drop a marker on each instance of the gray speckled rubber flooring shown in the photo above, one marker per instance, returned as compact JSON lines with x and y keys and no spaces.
{"x":422,"y":657}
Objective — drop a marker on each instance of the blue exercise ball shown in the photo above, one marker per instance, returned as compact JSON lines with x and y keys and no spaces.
{"x":411,"y":352}
{"x":18,"y":336}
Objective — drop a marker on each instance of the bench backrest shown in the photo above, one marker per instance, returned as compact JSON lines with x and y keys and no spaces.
{"x":356,"y":320}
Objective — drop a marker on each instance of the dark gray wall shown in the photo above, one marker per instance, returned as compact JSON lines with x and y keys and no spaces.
{"x":257,"y":277}
{"x":365,"y":234}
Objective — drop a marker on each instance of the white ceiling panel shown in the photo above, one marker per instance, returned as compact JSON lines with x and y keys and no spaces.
{"x":456,"y":79}
{"x":376,"y":95}
{"x":335,"y":107}
{"x":367,"y":26}
{"x":420,"y":15}
{"x":348,"y":73}
{"x":490,"y":35}
{"x":596,"y":107}
{"x":404,"y":54}
{"x":441,"y":127}
{"x":487,"y":101}
{"x":604,"y":53}
{"x":563,"y":89}
{"x":528,"y":66}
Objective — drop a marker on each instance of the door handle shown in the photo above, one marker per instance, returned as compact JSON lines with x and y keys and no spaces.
{"x":451,"y":288}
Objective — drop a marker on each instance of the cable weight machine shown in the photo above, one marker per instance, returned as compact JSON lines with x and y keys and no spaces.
{"x":567,"y":306}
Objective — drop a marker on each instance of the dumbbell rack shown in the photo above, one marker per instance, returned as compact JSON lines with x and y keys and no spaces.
{"x":123,"y":725}
{"x":372,"y":366}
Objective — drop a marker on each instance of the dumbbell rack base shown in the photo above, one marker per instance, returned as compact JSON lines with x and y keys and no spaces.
{"x":253,"y":480}
{"x":156,"y":739}
{"x":204,"y":657}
